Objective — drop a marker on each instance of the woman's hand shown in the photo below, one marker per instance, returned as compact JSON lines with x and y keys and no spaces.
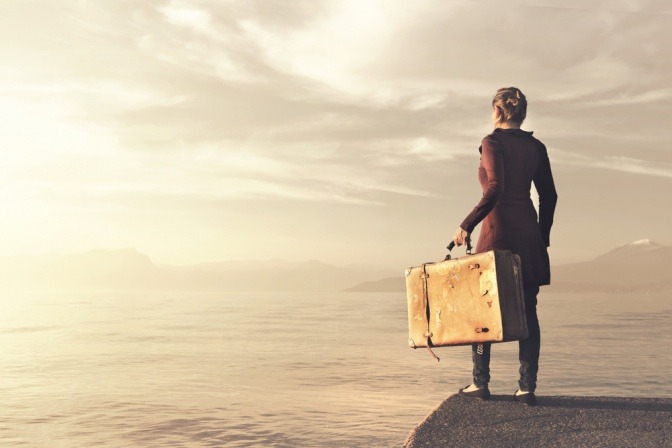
{"x":460,"y":236}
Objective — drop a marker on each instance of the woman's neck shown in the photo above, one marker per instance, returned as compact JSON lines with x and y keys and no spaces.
{"x":507,"y":126}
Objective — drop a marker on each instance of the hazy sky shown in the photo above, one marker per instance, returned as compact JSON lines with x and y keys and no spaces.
{"x":345,"y":131}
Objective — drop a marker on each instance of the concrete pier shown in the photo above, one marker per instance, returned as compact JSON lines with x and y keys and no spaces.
{"x":556,"y":421}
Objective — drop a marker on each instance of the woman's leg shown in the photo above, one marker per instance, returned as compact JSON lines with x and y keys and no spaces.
{"x":528,"y":353}
{"x":481,"y":361}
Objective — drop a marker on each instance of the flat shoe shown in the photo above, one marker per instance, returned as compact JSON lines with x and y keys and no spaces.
{"x":481,"y":394}
{"x":528,"y":399}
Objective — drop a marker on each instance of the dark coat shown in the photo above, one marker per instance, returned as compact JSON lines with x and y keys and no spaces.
{"x":511,"y":159}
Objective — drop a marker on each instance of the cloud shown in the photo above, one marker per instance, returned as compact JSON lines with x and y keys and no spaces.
{"x":614,"y":163}
{"x":636,"y":166}
{"x":623,"y":6}
{"x":625,"y":98}
{"x":115,"y":94}
{"x":183,"y":14}
{"x":343,"y":70}
{"x":331,"y":48}
{"x":164,"y":106}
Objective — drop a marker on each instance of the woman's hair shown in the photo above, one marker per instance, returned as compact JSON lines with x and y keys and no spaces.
{"x":512,"y":104}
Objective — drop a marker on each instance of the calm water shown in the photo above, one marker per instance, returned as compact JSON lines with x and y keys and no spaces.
{"x":284,"y":369}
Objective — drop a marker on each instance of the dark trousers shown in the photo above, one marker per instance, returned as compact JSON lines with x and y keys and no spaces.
{"x":528,"y":349}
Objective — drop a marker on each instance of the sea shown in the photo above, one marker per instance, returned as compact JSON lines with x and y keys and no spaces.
{"x":329,"y":369}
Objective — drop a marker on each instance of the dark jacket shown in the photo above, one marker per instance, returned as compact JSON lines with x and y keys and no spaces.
{"x":511,"y":159}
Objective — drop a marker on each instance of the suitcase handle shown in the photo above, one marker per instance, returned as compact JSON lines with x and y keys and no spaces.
{"x":451,"y":246}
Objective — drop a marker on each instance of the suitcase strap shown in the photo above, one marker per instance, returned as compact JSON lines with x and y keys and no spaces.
{"x":432,"y":353}
{"x":427,"y":334}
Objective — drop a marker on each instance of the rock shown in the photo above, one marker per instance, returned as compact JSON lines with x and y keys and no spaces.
{"x":557,"y":421}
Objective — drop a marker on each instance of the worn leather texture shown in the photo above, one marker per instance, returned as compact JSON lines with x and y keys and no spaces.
{"x":472,"y":299}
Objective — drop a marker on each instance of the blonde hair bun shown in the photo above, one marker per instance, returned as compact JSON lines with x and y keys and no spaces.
{"x":512,"y":104}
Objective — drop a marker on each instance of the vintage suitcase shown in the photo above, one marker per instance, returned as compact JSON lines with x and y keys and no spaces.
{"x":472,"y":299}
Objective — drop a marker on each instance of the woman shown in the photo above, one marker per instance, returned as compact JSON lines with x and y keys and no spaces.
{"x":511,"y":159}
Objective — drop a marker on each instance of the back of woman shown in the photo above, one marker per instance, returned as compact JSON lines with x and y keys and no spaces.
{"x":513,"y":224}
{"x":511,"y":161}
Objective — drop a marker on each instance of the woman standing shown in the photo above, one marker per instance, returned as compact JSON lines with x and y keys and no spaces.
{"x":511,"y":159}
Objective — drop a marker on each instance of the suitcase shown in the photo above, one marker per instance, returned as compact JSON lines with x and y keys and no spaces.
{"x":472,"y":299}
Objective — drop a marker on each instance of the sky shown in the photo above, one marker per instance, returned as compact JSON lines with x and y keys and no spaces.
{"x":337,"y":130}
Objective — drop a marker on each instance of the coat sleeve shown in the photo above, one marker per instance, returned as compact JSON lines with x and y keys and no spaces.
{"x":548,"y":197}
{"x":492,"y":161}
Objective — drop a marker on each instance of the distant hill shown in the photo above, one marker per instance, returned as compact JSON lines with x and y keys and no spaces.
{"x":640,"y":265}
{"x":96,"y":269}
{"x":128,"y":269}
{"x":392,"y":284}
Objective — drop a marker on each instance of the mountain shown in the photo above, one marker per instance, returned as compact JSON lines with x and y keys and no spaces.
{"x":639,"y":265}
{"x":128,"y":269}
{"x":636,"y":266}
{"x":96,"y":269}
{"x":391,"y":284}
{"x":273,"y":275}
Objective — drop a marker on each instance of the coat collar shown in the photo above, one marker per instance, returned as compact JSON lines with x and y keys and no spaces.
{"x":514,"y":132}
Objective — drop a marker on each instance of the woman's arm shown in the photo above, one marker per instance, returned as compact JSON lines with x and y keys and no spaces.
{"x":548,"y":197}
{"x":492,"y":160}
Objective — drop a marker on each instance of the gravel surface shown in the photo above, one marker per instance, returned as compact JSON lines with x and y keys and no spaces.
{"x":555,"y":422}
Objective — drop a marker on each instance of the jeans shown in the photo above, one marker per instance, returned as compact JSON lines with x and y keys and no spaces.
{"x":528,"y":349}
